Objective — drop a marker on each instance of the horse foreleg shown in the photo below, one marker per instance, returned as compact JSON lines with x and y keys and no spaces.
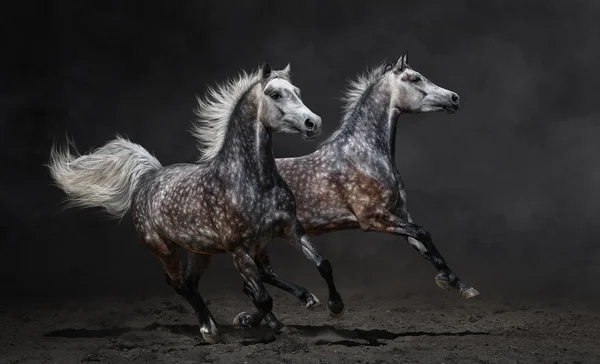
{"x":420,"y":239}
{"x":335,"y":305}
{"x":256,"y":291}
{"x":268,"y":276}
{"x":168,"y":254}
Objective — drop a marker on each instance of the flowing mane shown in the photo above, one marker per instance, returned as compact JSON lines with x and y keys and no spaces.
{"x":355,"y":91}
{"x":358,"y":87}
{"x":214,"y":111}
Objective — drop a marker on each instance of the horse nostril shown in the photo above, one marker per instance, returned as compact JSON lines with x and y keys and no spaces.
{"x":309,"y":124}
{"x":454,"y":98}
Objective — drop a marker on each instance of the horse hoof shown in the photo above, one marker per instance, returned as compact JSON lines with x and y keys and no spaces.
{"x":280,"y":329}
{"x":211,"y":339}
{"x":210,"y":334}
{"x":336,"y":315}
{"x":312,"y":301}
{"x":241,"y":320}
{"x":336,"y":310}
{"x":443,"y":283}
{"x":468,"y":293}
{"x":286,"y":330}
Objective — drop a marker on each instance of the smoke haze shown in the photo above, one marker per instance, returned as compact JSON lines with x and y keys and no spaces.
{"x":507,"y":186}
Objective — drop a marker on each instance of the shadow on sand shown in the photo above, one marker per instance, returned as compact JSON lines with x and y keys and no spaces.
{"x":316,"y":335}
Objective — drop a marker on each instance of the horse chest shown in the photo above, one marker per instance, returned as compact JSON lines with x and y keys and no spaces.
{"x":279,"y":205}
{"x":260,"y":212}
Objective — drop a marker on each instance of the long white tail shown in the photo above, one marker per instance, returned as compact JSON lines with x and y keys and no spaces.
{"x":105,"y":177}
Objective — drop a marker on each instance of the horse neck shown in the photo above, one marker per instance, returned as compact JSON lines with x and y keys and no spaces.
{"x":247,"y":147}
{"x":372,"y":122}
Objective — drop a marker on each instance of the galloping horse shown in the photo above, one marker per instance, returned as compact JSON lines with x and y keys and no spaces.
{"x":351,"y":181}
{"x":232,"y":201}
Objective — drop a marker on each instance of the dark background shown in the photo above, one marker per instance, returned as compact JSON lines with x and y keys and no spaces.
{"x":508,"y":186}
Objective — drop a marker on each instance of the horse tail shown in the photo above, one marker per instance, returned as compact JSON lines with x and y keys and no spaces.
{"x":105,"y":177}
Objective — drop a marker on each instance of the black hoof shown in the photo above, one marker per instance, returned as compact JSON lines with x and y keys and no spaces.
{"x":278,"y":328}
{"x":443,"y":282}
{"x":336,"y":308}
{"x":210,"y":333}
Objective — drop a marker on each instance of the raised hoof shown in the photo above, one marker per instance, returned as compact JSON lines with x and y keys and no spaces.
{"x":443,"y":283}
{"x":312,"y":301}
{"x":469,"y":293}
{"x":210,"y":334}
{"x":242,"y":320}
{"x":336,"y":310}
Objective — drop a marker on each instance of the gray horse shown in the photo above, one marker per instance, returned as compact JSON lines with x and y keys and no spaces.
{"x":232,"y":201}
{"x":351,"y":181}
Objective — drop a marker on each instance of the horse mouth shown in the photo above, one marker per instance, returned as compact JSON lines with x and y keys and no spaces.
{"x":309,"y":135}
{"x":450,"y":109}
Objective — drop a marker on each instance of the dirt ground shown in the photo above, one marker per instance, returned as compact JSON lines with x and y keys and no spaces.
{"x":373,"y":330}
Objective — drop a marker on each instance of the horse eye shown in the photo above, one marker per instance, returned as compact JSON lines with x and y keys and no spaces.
{"x":275,"y":95}
{"x":416,"y":79}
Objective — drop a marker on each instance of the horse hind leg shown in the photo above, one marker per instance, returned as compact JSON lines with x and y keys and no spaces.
{"x":197,"y":264}
{"x":446,"y":278}
{"x":421,"y":240}
{"x":168,"y":253}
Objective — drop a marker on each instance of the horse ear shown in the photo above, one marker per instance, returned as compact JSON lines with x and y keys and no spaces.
{"x":287,"y":69}
{"x":401,"y":64}
{"x":266,"y":70}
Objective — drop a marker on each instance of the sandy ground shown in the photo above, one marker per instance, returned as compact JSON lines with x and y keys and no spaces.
{"x":373,"y":330}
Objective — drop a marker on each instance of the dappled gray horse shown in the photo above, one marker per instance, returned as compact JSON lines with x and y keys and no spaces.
{"x":351,"y":181}
{"x":232,"y":201}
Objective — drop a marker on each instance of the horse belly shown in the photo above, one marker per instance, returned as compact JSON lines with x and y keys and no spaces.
{"x":320,"y":206}
{"x":322,"y":219}
{"x":195,"y":238}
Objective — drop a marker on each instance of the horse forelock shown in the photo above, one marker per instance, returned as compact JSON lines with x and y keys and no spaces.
{"x":278,"y":74}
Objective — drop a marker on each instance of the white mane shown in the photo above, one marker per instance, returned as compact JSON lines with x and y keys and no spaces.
{"x":355,"y":91}
{"x":214,"y":111}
